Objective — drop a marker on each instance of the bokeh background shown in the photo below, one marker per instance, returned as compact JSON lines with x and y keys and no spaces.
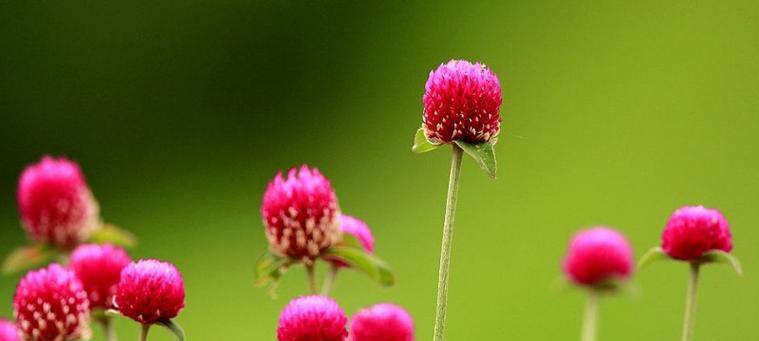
{"x":615,"y":113}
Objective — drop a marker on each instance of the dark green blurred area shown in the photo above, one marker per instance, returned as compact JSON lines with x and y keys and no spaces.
{"x":615,"y":113}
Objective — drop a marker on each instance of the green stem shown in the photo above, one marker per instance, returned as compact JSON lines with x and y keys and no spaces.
{"x":311,"y":276}
{"x":329,"y":281}
{"x":445,"y":250}
{"x":590,"y":319}
{"x":690,"y":303}
{"x":144,"y":332}
{"x":110,"y":332}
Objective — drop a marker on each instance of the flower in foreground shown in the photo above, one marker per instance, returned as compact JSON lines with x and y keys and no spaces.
{"x":51,"y":305}
{"x":694,"y":230}
{"x":99,"y":267}
{"x":312,"y":318}
{"x":596,"y":255}
{"x":359,"y":230}
{"x":8,"y":331}
{"x":301,"y":213}
{"x":150,"y":291}
{"x":382,"y":322}
{"x":462,"y":102}
{"x":55,"y":203}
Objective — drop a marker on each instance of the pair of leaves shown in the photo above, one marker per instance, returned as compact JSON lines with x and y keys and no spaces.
{"x":714,"y":256}
{"x":170,"y":325}
{"x":482,"y":153}
{"x":32,"y":256}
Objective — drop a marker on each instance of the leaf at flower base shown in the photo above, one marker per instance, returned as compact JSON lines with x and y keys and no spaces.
{"x":173,"y":328}
{"x":719,"y":256}
{"x":368,"y":263}
{"x":653,"y":255}
{"x":108,"y":233}
{"x":27,"y":257}
{"x":350,"y":240}
{"x":483,"y":153}
{"x":616,"y":285}
{"x":421,"y":143}
{"x":270,"y":268}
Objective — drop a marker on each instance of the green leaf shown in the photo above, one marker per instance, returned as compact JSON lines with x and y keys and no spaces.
{"x":421,"y":143}
{"x":719,"y":256}
{"x":350,"y":240}
{"x":483,"y":153}
{"x":270,"y":267}
{"x":27,"y":257}
{"x":108,"y":233}
{"x":653,"y":255}
{"x":173,"y":328}
{"x":370,"y":264}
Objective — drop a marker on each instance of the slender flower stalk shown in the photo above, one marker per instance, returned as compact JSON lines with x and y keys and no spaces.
{"x":110,"y":332}
{"x":590,"y":319}
{"x":445,"y":251}
{"x":144,"y":332}
{"x":690,"y":302}
{"x":311,"y":278}
{"x":329,"y":280}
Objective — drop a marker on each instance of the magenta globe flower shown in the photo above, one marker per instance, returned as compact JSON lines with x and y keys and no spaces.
{"x":150,"y":291}
{"x":301,"y":214}
{"x":382,"y":322}
{"x":596,"y":255}
{"x":50,"y":304}
{"x":462,"y":102}
{"x":694,"y":230}
{"x":312,"y":318}
{"x":55,"y":204}
{"x":8,"y":331}
{"x":359,"y":230}
{"x":99,"y":267}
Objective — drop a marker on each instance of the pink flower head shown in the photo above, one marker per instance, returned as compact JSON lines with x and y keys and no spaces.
{"x":55,"y":204}
{"x":301,"y":214}
{"x":462,"y":102}
{"x":358,"y":229}
{"x":382,"y":322}
{"x":693,"y":230}
{"x":150,"y":291}
{"x":312,"y":318}
{"x":598,"y":254}
{"x":8,"y":331}
{"x":99,"y":267}
{"x":51,"y":305}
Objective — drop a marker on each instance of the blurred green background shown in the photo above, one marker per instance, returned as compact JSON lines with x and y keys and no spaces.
{"x":615,"y":113}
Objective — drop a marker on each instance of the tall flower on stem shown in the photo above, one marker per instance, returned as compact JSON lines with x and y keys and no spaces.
{"x":51,"y":305}
{"x":461,"y":108}
{"x":312,"y":318}
{"x":151,"y":292}
{"x":695,"y":235}
{"x":598,"y":260}
{"x":99,"y":268}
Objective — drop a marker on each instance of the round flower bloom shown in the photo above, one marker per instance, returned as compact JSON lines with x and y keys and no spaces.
{"x":150,"y":291}
{"x":312,"y":318}
{"x":461,"y":103}
{"x":358,"y":229}
{"x":55,"y":204}
{"x":301,"y":214}
{"x":598,"y":254}
{"x":99,"y":267}
{"x":382,"y":322}
{"x":8,"y":331}
{"x":51,"y":305}
{"x":693,"y":230}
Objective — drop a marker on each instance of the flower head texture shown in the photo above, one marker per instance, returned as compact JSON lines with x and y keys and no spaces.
{"x":693,"y":230}
{"x":312,"y":318}
{"x":598,"y":254}
{"x":358,"y":229}
{"x":99,"y":267}
{"x":55,"y":204}
{"x":462,"y":103}
{"x":382,"y":322}
{"x":8,"y":331}
{"x":150,"y":291}
{"x":51,"y":305}
{"x":301,"y":214}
